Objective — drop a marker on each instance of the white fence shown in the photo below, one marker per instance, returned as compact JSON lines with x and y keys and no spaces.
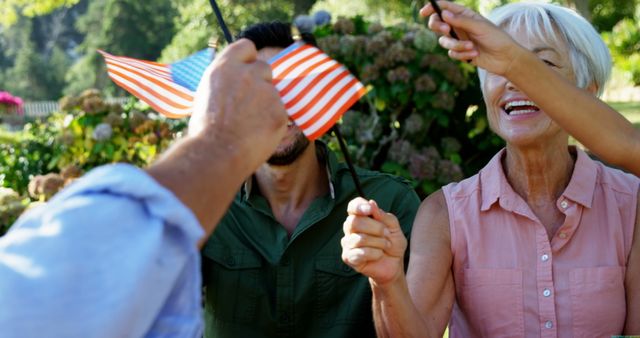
{"x":41,"y":109}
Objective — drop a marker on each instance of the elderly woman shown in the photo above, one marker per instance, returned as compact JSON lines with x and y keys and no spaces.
{"x":541,"y":242}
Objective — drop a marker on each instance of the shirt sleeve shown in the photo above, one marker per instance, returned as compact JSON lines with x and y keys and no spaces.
{"x":114,"y":255}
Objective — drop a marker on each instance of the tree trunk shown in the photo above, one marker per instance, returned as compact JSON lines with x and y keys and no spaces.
{"x":303,"y":6}
{"x":581,"y":6}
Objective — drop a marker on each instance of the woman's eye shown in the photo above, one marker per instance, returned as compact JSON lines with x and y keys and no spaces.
{"x":549,"y":63}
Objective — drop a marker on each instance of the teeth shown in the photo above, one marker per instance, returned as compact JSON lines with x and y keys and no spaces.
{"x":514,"y":104}
{"x":290,"y":123}
{"x":522,"y":112}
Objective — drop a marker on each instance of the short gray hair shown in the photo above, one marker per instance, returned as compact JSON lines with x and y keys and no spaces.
{"x":557,"y":25}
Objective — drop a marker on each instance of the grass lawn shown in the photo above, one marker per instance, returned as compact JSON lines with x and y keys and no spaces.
{"x":630,"y":110}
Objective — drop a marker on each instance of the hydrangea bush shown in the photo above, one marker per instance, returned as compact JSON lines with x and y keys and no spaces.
{"x":423,"y":117}
{"x":46,"y":155}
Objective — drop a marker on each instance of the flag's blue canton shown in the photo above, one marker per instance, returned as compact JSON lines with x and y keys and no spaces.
{"x":188,"y":72}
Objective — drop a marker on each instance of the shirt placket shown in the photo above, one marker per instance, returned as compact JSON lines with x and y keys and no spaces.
{"x":545,"y":252}
{"x":284,"y":298}
{"x":545,"y":284}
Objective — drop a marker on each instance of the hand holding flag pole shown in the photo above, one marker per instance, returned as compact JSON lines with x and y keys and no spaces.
{"x":335,"y":127}
{"x":315,"y":89}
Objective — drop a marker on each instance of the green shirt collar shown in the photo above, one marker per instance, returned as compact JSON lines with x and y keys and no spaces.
{"x":323,"y":154}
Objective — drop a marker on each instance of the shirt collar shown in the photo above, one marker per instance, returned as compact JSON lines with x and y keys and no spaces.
{"x":581,"y":187}
{"x":323,"y":154}
{"x":491,"y":181}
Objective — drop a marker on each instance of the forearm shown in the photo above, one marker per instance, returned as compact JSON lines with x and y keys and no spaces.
{"x":596,"y":125}
{"x":205,"y":174}
{"x":394,"y":313}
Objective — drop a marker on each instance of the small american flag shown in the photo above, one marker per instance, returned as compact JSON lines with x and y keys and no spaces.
{"x":168,"y":89}
{"x":315,"y":89}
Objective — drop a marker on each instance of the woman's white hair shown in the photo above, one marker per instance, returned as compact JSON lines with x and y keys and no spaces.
{"x":557,"y":26}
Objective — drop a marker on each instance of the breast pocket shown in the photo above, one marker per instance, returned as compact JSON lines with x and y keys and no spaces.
{"x":232,"y":289}
{"x":343,"y":295}
{"x":493,"y":301}
{"x":598,"y":302}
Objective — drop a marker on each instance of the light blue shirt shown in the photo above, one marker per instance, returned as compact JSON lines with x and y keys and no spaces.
{"x":114,"y":255}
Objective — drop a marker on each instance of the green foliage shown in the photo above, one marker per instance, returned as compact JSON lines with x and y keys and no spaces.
{"x":11,"y":206}
{"x":12,"y":9}
{"x":606,"y":14}
{"x":624,"y":43}
{"x":25,"y":154}
{"x":139,"y":29}
{"x":88,"y":133}
{"x":196,"y":23}
{"x":46,"y":155}
{"x":423,"y":117}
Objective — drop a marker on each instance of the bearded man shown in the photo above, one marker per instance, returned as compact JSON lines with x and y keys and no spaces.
{"x":273,"y":267}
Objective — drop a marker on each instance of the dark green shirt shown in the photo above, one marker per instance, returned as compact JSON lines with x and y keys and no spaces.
{"x":261,"y":283}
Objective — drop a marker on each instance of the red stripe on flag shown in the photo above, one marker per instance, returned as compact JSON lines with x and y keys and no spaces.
{"x":152,"y":79}
{"x":316,"y":99}
{"x":338,"y":115}
{"x":322,"y":112}
{"x":283,"y":76}
{"x":290,"y":55}
{"x":151,"y":103}
{"x":302,"y":76}
{"x":310,"y":86}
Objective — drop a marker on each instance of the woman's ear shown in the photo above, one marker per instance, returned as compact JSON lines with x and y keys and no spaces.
{"x":593,"y":89}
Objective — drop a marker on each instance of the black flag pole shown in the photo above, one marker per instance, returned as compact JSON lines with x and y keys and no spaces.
{"x":225,"y":29}
{"x":347,"y":158}
{"x":336,"y":129}
{"x":435,"y":6}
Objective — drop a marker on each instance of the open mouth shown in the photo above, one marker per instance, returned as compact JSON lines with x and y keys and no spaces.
{"x":289,"y":123}
{"x":521,"y":107}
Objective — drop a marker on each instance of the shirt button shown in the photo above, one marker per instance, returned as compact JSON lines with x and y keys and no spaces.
{"x":546,"y":292}
{"x":564,"y":204}
{"x":548,"y":324}
{"x":231,"y":261}
{"x":563,"y":235}
{"x":544,"y":257}
{"x":284,"y":317}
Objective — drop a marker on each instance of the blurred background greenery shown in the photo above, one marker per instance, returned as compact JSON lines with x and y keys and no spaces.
{"x":48,"y":47}
{"x":422,"y":119}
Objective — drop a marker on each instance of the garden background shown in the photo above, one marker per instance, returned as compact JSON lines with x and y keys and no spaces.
{"x":422,"y":119}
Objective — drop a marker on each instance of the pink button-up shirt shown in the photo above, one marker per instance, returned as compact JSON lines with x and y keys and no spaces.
{"x":511,"y":281}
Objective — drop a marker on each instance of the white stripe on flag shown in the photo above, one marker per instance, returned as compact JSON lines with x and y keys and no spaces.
{"x":292,"y":60}
{"x":326,"y":99}
{"x":295,"y":72}
{"x":165,"y":103}
{"x":316,"y":90}
{"x":153,"y":69}
{"x":161,"y":89}
{"x":326,"y":116}
{"x":298,"y":88}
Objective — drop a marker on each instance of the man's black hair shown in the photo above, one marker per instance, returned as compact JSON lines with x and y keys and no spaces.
{"x":273,"y":34}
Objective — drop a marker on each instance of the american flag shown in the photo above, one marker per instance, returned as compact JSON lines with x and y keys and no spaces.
{"x":167,"y":88}
{"x":315,"y":89}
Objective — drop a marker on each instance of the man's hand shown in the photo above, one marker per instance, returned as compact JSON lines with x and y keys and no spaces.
{"x":237,"y":104}
{"x":373,"y":242}
{"x":237,"y":123}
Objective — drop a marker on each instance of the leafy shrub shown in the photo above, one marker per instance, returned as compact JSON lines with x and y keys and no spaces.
{"x":46,"y":155}
{"x":624,"y":42}
{"x":423,"y":117}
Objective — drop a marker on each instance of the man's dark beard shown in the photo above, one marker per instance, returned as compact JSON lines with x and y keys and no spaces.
{"x":291,"y":153}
